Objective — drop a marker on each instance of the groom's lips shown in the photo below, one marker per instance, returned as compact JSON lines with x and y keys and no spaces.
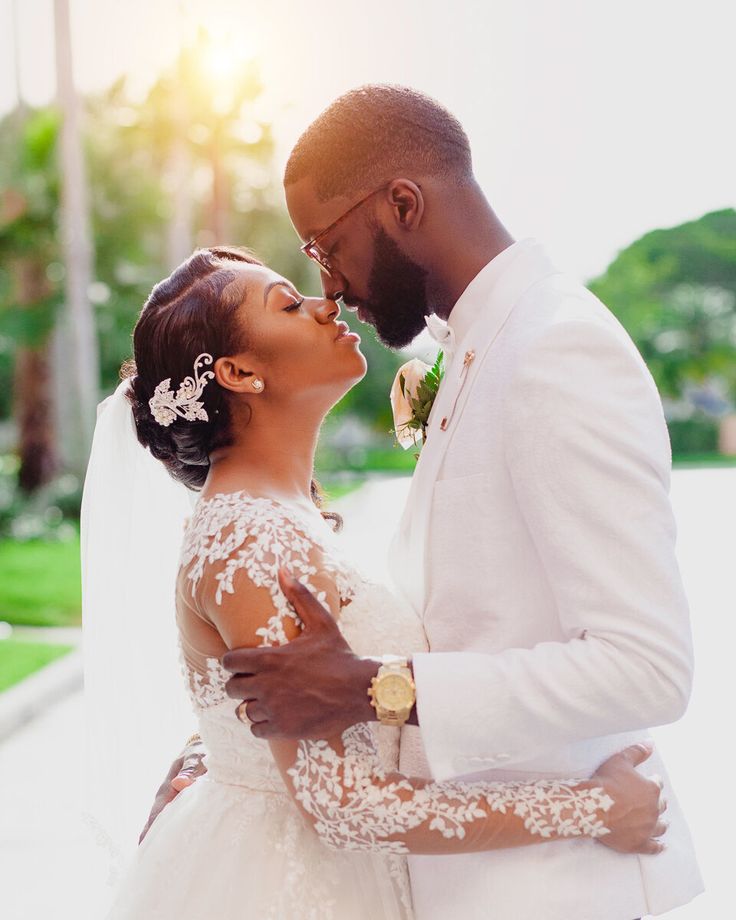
{"x":355,"y":306}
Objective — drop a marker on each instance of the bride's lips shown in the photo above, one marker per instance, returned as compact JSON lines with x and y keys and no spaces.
{"x":345,"y":334}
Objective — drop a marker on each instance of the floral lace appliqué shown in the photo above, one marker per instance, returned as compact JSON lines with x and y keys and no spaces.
{"x":236,"y":532}
{"x":205,"y":690}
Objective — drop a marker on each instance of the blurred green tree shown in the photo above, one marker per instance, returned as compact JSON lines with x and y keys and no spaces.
{"x":674,"y":290}
{"x":189,"y":164}
{"x":29,"y":295}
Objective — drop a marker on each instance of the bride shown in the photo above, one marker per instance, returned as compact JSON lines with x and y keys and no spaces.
{"x":234,"y":373}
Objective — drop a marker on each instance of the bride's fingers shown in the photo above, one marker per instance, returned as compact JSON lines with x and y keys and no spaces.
{"x":652,"y":847}
{"x":663,"y":804}
{"x":660,"y":828}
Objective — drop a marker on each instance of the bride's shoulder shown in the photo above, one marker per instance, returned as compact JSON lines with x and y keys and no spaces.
{"x":234,"y":546}
{"x":224,"y":523}
{"x":231,"y":531}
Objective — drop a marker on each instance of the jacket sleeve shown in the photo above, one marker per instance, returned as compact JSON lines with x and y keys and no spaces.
{"x":588,"y":455}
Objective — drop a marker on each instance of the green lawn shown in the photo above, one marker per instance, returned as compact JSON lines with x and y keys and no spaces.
{"x":18,"y":659}
{"x":40,"y":583}
{"x":698,"y":461}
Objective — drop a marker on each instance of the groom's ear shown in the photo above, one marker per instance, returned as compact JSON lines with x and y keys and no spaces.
{"x":407,"y":202}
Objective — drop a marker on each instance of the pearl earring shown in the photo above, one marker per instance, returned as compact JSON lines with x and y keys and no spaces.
{"x":257,"y":385}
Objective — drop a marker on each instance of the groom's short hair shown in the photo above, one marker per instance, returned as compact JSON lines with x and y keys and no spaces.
{"x":375,"y":133}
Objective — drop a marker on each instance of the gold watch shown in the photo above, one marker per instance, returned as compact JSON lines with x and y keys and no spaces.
{"x":392,"y":691}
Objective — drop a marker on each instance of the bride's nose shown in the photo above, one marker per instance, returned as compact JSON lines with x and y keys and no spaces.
{"x":326,"y":310}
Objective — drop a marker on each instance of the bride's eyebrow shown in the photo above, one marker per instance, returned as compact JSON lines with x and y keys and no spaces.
{"x":274,"y":284}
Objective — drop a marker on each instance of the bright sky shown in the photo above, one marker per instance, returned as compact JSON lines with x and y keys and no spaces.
{"x":591,"y":121}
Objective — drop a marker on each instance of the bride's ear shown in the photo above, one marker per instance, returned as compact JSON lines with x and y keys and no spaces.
{"x":238,"y":375}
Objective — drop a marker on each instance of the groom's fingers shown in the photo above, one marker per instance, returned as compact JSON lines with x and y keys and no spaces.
{"x":191,"y":768}
{"x":312,"y":614}
{"x":252,"y":661}
{"x":242,"y":687}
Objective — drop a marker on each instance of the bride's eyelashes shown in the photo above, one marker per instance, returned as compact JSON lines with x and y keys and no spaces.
{"x":293,"y":307}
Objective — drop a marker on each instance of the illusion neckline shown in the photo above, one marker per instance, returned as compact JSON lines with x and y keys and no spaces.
{"x":244,"y":493}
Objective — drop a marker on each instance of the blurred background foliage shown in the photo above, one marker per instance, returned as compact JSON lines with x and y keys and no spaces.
{"x":177,"y":169}
{"x":185,"y":167}
{"x":675,"y":292}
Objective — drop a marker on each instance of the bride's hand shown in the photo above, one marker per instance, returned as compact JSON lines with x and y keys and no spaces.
{"x":183,"y":772}
{"x":635,"y":819}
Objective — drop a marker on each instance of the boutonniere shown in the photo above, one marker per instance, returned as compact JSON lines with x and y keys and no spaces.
{"x":412,"y":396}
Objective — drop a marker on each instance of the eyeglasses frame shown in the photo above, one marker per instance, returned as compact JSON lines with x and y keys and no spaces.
{"x":311,"y":249}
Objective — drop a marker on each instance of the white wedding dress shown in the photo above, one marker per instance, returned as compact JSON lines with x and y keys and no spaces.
{"x":238,"y":842}
{"x":233,"y":845}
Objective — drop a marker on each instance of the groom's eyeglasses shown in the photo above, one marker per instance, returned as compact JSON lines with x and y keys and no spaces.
{"x":312,"y":248}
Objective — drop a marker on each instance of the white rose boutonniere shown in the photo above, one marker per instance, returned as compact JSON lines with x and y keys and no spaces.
{"x":412,"y":397}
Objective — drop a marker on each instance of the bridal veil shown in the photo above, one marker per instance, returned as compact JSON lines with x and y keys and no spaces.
{"x":138,"y":715}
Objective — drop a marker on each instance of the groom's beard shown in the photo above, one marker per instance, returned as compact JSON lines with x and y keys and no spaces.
{"x":397,"y":293}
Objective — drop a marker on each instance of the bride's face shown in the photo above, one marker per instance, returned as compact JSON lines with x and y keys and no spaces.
{"x":296,"y":344}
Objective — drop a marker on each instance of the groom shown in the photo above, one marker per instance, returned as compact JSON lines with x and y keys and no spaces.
{"x":537,"y":543}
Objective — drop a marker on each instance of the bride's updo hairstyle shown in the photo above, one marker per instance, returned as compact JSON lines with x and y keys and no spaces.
{"x":188,"y":314}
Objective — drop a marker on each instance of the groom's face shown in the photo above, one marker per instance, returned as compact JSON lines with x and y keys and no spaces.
{"x":367,"y":267}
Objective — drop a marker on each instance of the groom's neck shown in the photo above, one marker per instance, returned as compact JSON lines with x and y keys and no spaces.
{"x":467,"y":241}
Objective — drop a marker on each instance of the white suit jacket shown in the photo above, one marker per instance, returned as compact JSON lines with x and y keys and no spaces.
{"x":538,"y":546}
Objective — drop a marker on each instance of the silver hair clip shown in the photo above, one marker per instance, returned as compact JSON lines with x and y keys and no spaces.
{"x":165,"y":405}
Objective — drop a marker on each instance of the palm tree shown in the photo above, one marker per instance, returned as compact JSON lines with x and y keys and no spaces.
{"x":28,"y":200}
{"x":78,"y":376}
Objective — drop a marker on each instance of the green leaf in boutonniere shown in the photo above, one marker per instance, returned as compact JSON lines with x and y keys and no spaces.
{"x":412,"y":397}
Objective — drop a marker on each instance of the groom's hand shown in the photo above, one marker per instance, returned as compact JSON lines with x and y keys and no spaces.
{"x":313,"y":687}
{"x":183,"y":772}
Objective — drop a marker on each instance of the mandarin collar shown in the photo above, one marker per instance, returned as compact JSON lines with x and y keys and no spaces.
{"x":479,"y":292}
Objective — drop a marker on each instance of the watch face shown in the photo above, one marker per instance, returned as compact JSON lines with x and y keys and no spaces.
{"x":393,"y":692}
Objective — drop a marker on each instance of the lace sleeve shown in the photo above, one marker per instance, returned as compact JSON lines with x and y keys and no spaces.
{"x":350,"y":801}
{"x":232,"y":554}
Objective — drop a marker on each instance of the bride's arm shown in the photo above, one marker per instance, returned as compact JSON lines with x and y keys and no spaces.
{"x":352,"y":803}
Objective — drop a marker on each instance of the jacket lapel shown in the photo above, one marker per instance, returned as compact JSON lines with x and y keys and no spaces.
{"x":495,"y":303}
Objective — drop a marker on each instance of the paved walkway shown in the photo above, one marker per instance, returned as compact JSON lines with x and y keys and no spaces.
{"x":49,"y":867}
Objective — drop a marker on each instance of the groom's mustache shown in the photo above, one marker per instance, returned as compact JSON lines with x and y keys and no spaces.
{"x":357,"y":306}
